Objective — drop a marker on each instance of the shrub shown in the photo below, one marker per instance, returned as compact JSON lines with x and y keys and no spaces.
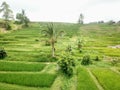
{"x":47,"y":43}
{"x":36,"y":40}
{"x":79,"y":43}
{"x":80,"y":50}
{"x":69,"y":48}
{"x":66,"y":64}
{"x":97,"y":58}
{"x":114,"y":62}
{"x":86,"y":60}
{"x":7,"y":26}
{"x":3,"y":53}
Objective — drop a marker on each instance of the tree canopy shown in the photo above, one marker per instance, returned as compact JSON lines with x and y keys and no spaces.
{"x":22,"y":18}
{"x":7,"y":12}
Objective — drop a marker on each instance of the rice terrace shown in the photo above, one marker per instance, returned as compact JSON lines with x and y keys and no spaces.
{"x":51,"y":55}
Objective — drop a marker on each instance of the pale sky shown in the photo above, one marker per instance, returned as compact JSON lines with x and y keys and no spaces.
{"x":67,"y":10}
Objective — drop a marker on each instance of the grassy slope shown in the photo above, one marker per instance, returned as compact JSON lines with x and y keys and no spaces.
{"x":108,"y":79}
{"x":85,"y":82}
{"x":100,"y":36}
{"x":96,"y":38}
{"x":21,"y":45}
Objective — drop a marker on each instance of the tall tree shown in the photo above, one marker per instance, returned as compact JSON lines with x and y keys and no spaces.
{"x":51,"y":33}
{"x":22,"y":18}
{"x":80,"y":20}
{"x":7,"y":12}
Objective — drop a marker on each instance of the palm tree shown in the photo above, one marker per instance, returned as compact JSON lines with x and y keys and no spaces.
{"x":51,"y":33}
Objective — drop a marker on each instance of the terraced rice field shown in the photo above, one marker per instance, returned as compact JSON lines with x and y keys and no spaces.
{"x":29,"y":65}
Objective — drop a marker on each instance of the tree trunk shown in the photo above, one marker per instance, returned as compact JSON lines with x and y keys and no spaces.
{"x":53,"y":50}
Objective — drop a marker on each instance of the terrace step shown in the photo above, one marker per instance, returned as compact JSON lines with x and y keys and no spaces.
{"x":30,"y":72}
{"x":95,"y":80}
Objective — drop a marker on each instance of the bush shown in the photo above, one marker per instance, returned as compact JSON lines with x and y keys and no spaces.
{"x":47,"y":43}
{"x":66,"y":64}
{"x":69,"y":48}
{"x":7,"y":26}
{"x":80,"y":50}
{"x":79,"y":43}
{"x":97,"y":58}
{"x":86,"y":60}
{"x":114,"y":62}
{"x":3,"y":53}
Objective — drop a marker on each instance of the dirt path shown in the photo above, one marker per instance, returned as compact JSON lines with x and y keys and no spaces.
{"x":57,"y":84}
{"x":95,"y":80}
{"x":50,"y":68}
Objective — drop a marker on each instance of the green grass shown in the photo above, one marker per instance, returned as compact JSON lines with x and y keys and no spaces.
{"x":96,"y":37}
{"x":18,"y":66}
{"x":4,"y":86}
{"x":84,"y":80}
{"x":108,"y":79}
{"x":21,"y":45}
{"x":32,"y":80}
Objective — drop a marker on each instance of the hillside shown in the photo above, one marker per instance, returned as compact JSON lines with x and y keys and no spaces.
{"x":30,"y":59}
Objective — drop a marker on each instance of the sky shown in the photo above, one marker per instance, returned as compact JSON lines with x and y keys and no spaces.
{"x":67,"y":10}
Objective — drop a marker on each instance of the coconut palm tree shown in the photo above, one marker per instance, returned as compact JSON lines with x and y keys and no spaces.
{"x":52,"y":35}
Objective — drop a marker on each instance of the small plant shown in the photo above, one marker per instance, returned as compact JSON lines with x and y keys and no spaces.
{"x":36,"y":40}
{"x":69,"y":48}
{"x":97,"y":58}
{"x":79,"y":45}
{"x":47,"y":43}
{"x":114,"y":62}
{"x":66,"y":64}
{"x":3,"y":53}
{"x":86,"y":60}
{"x":80,"y":50}
{"x":8,"y":26}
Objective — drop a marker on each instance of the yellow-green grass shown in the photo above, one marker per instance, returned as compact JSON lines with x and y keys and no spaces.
{"x":19,"y":66}
{"x":28,"y":79}
{"x":84,"y":80}
{"x":107,"y":78}
{"x":5,"y":86}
